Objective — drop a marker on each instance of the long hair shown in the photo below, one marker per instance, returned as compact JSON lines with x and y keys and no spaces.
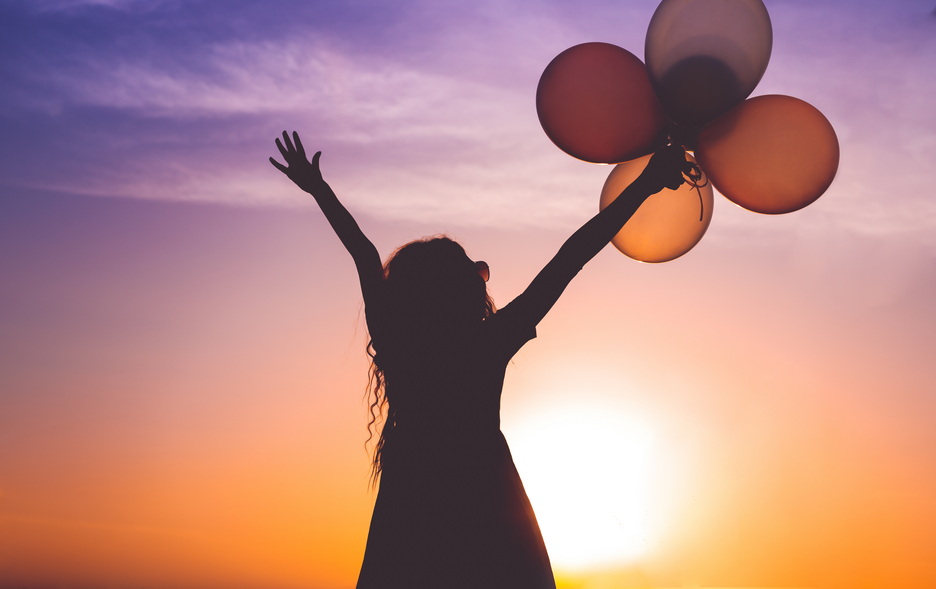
{"x":432,"y":288}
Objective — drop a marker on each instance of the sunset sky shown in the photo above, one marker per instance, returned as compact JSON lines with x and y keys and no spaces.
{"x":182,"y":367}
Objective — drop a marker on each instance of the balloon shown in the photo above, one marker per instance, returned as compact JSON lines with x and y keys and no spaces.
{"x":706,"y":56}
{"x":595,"y":103}
{"x":667,"y":225}
{"x":772,"y":154}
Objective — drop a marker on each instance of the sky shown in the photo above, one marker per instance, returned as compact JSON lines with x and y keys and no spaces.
{"x":183,"y":369}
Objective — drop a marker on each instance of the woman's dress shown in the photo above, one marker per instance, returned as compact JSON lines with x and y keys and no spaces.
{"x":451,"y":511}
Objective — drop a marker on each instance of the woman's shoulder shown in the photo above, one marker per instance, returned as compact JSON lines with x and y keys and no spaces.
{"x":511,"y":326}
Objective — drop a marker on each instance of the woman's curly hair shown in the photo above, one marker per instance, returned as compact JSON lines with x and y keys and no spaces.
{"x":429,"y":283}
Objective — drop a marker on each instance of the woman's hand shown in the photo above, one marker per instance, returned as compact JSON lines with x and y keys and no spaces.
{"x":665,"y":169}
{"x":300,"y":170}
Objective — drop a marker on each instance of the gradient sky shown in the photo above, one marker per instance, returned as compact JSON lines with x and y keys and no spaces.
{"x":181,"y":391}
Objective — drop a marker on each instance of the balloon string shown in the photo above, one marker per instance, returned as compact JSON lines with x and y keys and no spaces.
{"x":698,"y":180}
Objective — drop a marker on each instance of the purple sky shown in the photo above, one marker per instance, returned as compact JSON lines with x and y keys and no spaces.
{"x":166,"y":100}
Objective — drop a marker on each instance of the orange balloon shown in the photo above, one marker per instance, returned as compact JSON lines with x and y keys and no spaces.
{"x":595,"y":103}
{"x":706,"y":56}
{"x":772,"y":154}
{"x":667,"y":225}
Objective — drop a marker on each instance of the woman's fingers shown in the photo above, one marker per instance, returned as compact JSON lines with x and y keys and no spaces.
{"x":282,"y":150}
{"x":288,"y":142}
{"x":279,"y":166}
{"x":299,"y":148}
{"x":293,"y":152}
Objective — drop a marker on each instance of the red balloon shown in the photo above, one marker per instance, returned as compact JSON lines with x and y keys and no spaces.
{"x":667,"y":225}
{"x":772,"y":154}
{"x":595,"y":102}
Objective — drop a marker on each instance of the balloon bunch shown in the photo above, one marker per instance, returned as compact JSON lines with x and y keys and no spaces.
{"x":770,"y":154}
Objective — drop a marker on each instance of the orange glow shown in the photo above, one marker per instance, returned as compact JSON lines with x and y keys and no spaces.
{"x":747,"y":420}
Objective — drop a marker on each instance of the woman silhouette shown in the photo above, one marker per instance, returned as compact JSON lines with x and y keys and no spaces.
{"x":451,"y":511}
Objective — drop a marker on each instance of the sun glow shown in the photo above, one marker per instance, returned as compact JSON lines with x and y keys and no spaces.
{"x":588,"y":471}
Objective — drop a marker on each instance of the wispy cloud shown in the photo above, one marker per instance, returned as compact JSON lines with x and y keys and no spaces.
{"x":416,"y":135}
{"x":423,"y":113}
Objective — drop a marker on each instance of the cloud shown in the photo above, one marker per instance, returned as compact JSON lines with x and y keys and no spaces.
{"x":424,"y":113}
{"x":416,"y":135}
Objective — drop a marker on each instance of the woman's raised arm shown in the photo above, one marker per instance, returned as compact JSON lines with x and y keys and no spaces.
{"x":307,"y":176}
{"x":665,"y":170}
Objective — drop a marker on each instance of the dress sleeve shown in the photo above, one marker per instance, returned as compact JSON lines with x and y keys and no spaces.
{"x":509,"y":329}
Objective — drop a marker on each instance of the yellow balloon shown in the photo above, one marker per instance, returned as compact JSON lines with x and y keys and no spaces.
{"x":668,"y":224}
